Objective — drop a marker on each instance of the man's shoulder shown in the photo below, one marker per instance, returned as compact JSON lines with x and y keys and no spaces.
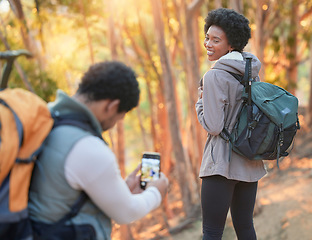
{"x":89,"y":157}
{"x":90,"y":143}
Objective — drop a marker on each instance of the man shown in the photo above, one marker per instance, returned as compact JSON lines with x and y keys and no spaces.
{"x":75,"y":160}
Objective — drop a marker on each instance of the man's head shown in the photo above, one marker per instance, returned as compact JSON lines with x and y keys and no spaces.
{"x":109,"y":90}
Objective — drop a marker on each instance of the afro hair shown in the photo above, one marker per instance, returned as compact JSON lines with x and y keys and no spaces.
{"x":235,"y":26}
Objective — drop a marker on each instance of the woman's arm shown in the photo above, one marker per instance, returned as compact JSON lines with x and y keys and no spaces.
{"x":210,"y":109}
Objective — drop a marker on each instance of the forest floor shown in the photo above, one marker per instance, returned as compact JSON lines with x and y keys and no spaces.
{"x":285,"y":211}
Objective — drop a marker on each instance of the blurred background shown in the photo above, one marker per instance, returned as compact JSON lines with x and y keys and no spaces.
{"x":162,"y":40}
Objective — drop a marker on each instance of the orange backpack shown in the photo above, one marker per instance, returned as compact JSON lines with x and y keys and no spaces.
{"x":25,"y":122}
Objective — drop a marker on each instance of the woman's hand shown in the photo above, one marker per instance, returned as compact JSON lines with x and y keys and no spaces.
{"x":200,"y":92}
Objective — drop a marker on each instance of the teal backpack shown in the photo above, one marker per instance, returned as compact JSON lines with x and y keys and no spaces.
{"x":267,"y":121}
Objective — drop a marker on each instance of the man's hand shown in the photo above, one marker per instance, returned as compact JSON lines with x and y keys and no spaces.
{"x":161,"y":184}
{"x":133,"y":181}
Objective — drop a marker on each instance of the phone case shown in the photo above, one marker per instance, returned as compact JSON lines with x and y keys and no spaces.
{"x":150,"y":168}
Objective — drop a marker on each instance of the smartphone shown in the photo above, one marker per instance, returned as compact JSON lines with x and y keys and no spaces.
{"x":150,"y":168}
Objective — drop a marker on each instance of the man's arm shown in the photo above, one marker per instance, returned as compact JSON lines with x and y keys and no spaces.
{"x":91,"y":166}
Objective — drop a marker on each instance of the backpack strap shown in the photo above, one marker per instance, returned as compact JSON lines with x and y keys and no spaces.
{"x":20,"y":131}
{"x":227,"y":137}
{"x":80,"y":121}
{"x":225,"y":134}
{"x":77,"y":120}
{"x":19,"y":125}
{"x":54,"y":227}
{"x":238,"y":77}
{"x":246,"y":81}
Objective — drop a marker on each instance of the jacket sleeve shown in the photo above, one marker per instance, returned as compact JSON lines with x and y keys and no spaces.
{"x":91,"y":166}
{"x":200,"y":113}
{"x":210,"y":109}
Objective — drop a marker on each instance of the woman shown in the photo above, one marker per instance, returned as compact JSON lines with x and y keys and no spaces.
{"x":227,"y":181}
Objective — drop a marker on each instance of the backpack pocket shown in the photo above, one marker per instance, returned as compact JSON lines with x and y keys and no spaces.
{"x":252,"y":137}
{"x":288,"y":137}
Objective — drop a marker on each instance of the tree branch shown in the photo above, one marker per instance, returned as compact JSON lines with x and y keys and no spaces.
{"x":194,"y":6}
{"x":306,"y":14}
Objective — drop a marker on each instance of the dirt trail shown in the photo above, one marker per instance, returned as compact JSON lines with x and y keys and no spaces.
{"x":284,"y":204}
{"x":284,"y":199}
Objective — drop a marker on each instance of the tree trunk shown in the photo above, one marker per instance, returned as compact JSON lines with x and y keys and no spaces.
{"x":144,"y":136}
{"x":86,"y":25}
{"x":292,"y":40}
{"x":190,"y":58}
{"x":152,"y":115}
{"x":125,"y":231}
{"x":41,"y":39}
{"x":193,"y":77}
{"x":192,"y":132}
{"x":237,"y":5}
{"x":158,"y":113}
{"x":310,"y":96}
{"x":141,"y":54}
{"x":198,"y":41}
{"x":162,"y":142}
{"x":171,"y":104}
{"x":259,"y":36}
{"x":17,"y":9}
{"x":28,"y":41}
{"x":113,"y":48}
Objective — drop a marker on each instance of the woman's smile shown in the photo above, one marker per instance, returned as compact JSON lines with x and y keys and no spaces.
{"x":216,"y":43}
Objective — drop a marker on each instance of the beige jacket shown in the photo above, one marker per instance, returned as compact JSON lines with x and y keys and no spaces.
{"x":221,"y":101}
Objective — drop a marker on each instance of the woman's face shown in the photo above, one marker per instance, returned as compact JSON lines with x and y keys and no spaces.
{"x":216,"y":43}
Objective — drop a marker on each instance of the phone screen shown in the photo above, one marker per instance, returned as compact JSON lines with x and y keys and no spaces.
{"x":150,"y":169}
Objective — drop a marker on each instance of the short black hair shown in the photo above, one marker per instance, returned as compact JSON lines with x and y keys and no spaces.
{"x":235,"y":26}
{"x":111,"y":80}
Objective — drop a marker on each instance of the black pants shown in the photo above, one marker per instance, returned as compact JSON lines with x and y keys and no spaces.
{"x":218,"y":194}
